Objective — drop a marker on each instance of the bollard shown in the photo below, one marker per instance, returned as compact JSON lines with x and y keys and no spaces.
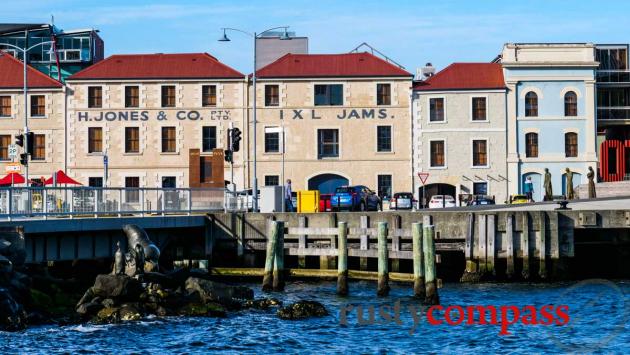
{"x":269,"y":260}
{"x":428,"y":247}
{"x":342,"y":259}
{"x":278,"y":270}
{"x":418,"y":267}
{"x":383,"y":273}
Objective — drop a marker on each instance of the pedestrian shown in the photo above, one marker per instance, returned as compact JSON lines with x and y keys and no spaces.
{"x":528,"y":188}
{"x":288,"y":198}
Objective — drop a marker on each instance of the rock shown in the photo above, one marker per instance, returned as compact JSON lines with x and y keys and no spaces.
{"x":107,"y":315}
{"x":6,"y":265}
{"x":41,"y":300}
{"x":12,"y":315}
{"x":89,"y":308}
{"x":129,"y":312}
{"x":209,"y":291}
{"x":165,"y":281}
{"x":108,"y":302}
{"x":262,"y":303}
{"x":117,"y":286}
{"x":302,"y":310}
{"x":211,"y":309}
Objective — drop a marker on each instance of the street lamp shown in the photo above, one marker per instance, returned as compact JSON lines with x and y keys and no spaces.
{"x":285,"y":36}
{"x":24,"y":60}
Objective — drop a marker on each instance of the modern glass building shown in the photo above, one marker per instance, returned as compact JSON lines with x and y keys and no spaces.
{"x":71,"y":52}
{"x":613,"y":112}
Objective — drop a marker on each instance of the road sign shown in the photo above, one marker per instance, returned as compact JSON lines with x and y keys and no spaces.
{"x":13,"y":168}
{"x":423,"y":177}
{"x":13,"y":150}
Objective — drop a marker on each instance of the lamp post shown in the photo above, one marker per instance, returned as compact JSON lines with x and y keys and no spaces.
{"x":24,"y":60}
{"x":254,"y":36}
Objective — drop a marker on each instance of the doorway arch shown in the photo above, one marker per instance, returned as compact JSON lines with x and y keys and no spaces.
{"x":327,"y":183}
{"x":435,"y":189}
{"x":537,"y":196}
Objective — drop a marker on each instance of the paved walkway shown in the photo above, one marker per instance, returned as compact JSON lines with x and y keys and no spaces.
{"x":617,"y":203}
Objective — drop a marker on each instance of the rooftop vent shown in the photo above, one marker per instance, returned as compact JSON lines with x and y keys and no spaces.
{"x":427,"y":71}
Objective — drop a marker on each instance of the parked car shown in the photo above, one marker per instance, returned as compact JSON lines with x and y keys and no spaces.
{"x":478,"y":200}
{"x":441,"y":201}
{"x":518,"y":199}
{"x":325,"y":204}
{"x":356,"y":198}
{"x":401,"y":201}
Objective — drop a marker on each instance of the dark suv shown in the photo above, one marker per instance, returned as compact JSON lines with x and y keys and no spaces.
{"x":355,"y":198}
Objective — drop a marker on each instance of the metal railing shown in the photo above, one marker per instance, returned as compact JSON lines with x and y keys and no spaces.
{"x":44,"y":202}
{"x":613,"y":113}
{"x":613,"y":76}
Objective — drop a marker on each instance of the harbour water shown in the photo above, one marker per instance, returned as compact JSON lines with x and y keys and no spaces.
{"x":599,"y":321}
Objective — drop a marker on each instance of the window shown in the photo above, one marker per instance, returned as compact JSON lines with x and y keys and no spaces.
{"x":39,"y":147}
{"x":272,"y":95}
{"x":480,"y":188}
{"x":209,"y":139}
{"x":169,"y":182}
{"x":38,"y":106}
{"x":5,"y":106}
{"x":272,"y":180}
{"x":479,"y":112}
{"x":437,"y":154}
{"x":272,"y":139}
{"x":329,"y":95}
{"x":169,"y":141}
{"x":132,"y":140}
{"x":480,"y":153}
{"x":206,"y":170}
{"x":383,"y":94}
{"x":328,"y":143}
{"x":132,"y":194}
{"x":531,"y":145}
{"x":570,"y":104}
{"x":383,"y":139}
{"x":571,"y":145}
{"x":168,"y":96}
{"x":531,"y":104}
{"x":209,"y":95}
{"x":95,"y":97}
{"x":436,"y":109}
{"x":384,"y":185}
{"x":95,"y":182}
{"x":95,"y":140}
{"x":132,"y":96}
{"x":5,"y":141}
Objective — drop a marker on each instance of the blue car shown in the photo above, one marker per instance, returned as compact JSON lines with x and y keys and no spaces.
{"x":355,"y":198}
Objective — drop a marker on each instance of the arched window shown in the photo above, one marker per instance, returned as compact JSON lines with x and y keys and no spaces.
{"x":571,"y":145}
{"x":570,"y":104}
{"x":531,"y":104}
{"x":531,"y":145}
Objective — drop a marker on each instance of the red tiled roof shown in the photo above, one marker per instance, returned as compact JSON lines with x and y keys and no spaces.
{"x":465,"y":76}
{"x":158,"y":66}
{"x":12,"y":75}
{"x":330,"y":65}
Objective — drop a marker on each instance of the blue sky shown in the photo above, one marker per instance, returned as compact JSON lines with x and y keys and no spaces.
{"x":410,"y":32}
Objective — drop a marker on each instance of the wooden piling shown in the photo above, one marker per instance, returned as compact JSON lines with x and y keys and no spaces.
{"x":418,"y":264}
{"x":396,"y":243}
{"x":272,"y":238}
{"x":542,"y":246}
{"x":302,"y":242}
{"x":471,"y":266}
{"x":525,"y":245}
{"x":278,"y":270}
{"x":342,"y":259}
{"x":483,"y":236}
{"x":509,"y":231}
{"x":383,"y":272}
{"x":364,"y":242}
{"x":491,"y":250}
{"x":428,"y":247}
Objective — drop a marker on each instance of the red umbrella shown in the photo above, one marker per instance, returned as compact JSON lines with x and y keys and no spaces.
{"x":15,"y":178}
{"x":61,"y":178}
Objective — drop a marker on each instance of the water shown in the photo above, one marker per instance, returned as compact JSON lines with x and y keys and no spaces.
{"x":599,"y":321}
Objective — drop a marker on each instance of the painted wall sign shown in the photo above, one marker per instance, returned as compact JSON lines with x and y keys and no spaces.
{"x":123,"y":116}
{"x":344,"y":114}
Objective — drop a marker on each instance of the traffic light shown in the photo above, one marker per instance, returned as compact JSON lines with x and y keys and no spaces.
{"x":19,"y":140}
{"x":24,"y":159}
{"x":236,"y":139}
{"x":30,"y":142}
{"x":228,"y":156}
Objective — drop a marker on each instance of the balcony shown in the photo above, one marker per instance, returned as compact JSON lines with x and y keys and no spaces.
{"x":613,"y":76}
{"x":613,"y":113}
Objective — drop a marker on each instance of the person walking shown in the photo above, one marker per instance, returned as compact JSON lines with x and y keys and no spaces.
{"x":528,"y":188}
{"x":288,"y":200}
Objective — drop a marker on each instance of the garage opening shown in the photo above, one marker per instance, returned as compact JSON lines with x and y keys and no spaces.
{"x":435,"y":189}
{"x":327,"y":183}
